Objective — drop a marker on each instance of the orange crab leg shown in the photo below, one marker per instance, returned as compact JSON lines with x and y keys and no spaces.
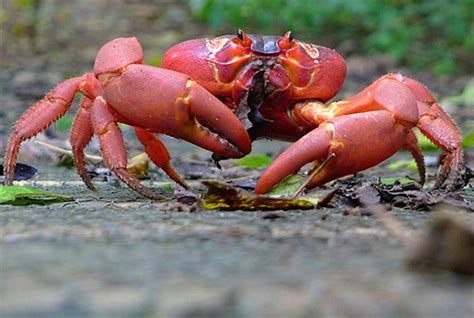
{"x":37,"y":118}
{"x":81,"y":134}
{"x":113,"y":147}
{"x":158,"y":153}
{"x":411,"y":145}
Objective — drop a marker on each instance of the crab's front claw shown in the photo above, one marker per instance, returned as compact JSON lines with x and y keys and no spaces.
{"x":355,"y":142}
{"x":211,"y":125}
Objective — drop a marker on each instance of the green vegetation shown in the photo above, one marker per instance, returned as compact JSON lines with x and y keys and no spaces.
{"x":255,"y":161}
{"x":436,"y":34}
{"x":16,"y":195}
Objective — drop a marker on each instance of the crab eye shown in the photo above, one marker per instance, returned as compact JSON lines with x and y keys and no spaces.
{"x":285,"y":41}
{"x":240,"y":34}
{"x":244,"y":38}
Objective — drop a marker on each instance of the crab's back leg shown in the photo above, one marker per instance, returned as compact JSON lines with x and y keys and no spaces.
{"x":158,"y":153}
{"x":438,"y":126}
{"x":81,"y":134}
{"x":37,"y":118}
{"x":113,"y":147}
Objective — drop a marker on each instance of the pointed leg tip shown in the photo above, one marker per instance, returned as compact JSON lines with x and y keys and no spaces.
{"x":134,"y":184}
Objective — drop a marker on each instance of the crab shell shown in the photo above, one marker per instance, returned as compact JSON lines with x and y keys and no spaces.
{"x":261,"y":77}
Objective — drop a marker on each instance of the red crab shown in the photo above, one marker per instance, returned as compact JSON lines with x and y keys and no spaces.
{"x":222,"y":93}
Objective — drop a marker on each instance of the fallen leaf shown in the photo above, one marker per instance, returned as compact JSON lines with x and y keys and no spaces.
{"x":396,"y":181}
{"x":402,"y":193}
{"x":16,"y":195}
{"x":403,"y":164}
{"x":223,"y":197}
{"x":138,"y":165}
{"x":254,"y":161}
{"x":64,"y":123}
{"x":287,"y":186}
{"x":468,"y":140}
{"x":424,"y":143}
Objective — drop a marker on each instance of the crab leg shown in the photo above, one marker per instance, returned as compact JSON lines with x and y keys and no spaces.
{"x":158,"y":153}
{"x":438,"y":126}
{"x":81,"y":134}
{"x":37,"y":118}
{"x":113,"y":147}
{"x":412,"y":146}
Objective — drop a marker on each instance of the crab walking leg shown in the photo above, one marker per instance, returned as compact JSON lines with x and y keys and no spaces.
{"x":443,"y":135}
{"x":358,"y":141}
{"x":113,"y":147}
{"x":81,"y":134}
{"x":158,"y":153}
{"x":37,"y":118}
{"x":412,"y":146}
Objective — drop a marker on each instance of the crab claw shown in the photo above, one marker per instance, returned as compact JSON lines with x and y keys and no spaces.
{"x":215,"y":127}
{"x":350,"y":139}
{"x":168,"y":102}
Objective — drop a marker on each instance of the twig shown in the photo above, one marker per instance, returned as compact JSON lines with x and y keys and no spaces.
{"x":65,"y":151}
{"x":312,"y":175}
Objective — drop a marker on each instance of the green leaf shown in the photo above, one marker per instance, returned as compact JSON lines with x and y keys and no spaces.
{"x":16,"y":195}
{"x":64,"y":123}
{"x":254,"y":161}
{"x":289,"y":185}
{"x":153,"y":60}
{"x":403,"y":164}
{"x":424,"y":143}
{"x":468,"y":140}
{"x":392,"y":181}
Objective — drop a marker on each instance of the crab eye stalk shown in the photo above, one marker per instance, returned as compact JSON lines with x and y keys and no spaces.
{"x":244,"y":38}
{"x":240,"y":34}
{"x":286,"y":40}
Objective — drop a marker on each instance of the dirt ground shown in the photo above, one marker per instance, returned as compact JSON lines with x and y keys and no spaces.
{"x":112,"y":253}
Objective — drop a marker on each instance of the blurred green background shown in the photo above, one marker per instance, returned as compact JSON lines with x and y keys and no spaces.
{"x":434,"y":35}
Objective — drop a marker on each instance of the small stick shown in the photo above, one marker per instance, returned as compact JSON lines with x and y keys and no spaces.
{"x":312,"y":175}
{"x":65,"y":151}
